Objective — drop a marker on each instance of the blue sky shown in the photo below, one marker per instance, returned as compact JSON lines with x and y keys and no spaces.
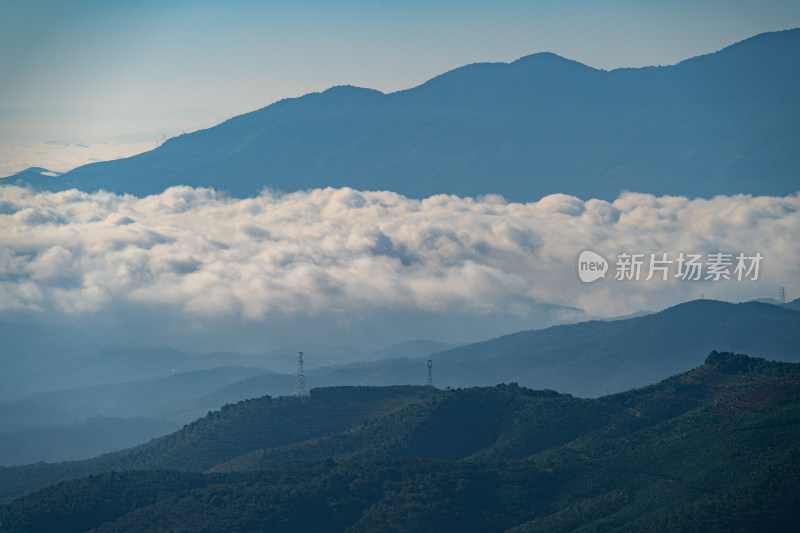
{"x":113,"y":59}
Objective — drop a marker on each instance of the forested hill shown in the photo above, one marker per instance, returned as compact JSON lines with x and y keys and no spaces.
{"x":225,"y":434}
{"x":541,"y":125}
{"x":713,"y":449}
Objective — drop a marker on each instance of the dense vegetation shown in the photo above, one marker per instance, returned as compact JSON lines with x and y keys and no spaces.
{"x":714,"y":449}
{"x":501,"y":423}
{"x":225,"y":434}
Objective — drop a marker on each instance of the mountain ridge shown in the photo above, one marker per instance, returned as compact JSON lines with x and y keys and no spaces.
{"x":720,"y":437}
{"x":593,"y":358}
{"x":537,"y":126}
{"x":223,"y":434}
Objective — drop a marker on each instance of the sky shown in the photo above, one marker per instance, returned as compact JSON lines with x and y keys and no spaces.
{"x":85,"y":71}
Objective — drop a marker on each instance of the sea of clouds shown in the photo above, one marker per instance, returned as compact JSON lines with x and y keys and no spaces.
{"x":195,"y":252}
{"x":63,"y":156}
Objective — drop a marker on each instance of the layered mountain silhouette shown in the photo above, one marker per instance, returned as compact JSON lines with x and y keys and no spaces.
{"x":722,"y":123}
{"x":711,"y":449}
{"x":587,"y":359}
{"x":591,"y":358}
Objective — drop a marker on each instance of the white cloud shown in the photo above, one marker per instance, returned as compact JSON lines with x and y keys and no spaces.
{"x":62,"y":156}
{"x":197,"y":253}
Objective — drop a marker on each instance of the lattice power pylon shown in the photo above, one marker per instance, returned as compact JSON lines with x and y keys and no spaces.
{"x":300,"y":383}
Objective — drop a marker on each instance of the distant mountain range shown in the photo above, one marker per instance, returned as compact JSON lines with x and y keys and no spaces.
{"x":82,"y":440}
{"x":54,"y":364}
{"x":593,"y":358}
{"x":63,"y":396}
{"x":588,"y":359}
{"x":722,"y":123}
{"x":712,"y":449}
{"x":596,"y":357}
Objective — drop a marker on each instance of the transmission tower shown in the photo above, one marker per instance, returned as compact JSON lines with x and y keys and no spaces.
{"x":300,"y":384}
{"x":782,"y":294}
{"x":430,"y":373}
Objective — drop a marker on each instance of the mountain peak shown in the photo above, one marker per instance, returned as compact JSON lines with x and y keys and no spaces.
{"x":547,"y":60}
{"x":540,"y":125}
{"x":350,"y":89}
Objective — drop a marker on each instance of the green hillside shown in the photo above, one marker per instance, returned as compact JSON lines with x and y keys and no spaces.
{"x":225,"y":434}
{"x":713,"y":449}
{"x":504,"y":422}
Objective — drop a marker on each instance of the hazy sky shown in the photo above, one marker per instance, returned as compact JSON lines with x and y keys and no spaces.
{"x":115,"y":60}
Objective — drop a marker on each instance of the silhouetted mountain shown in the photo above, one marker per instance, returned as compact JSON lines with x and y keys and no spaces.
{"x":794,"y":304}
{"x":771,"y":301}
{"x":28,"y":413}
{"x":103,"y":418}
{"x":722,"y":123}
{"x":586,"y":359}
{"x":44,"y":347}
{"x":713,"y":449}
{"x":596,"y":357}
{"x":83,"y":440}
{"x":56,"y":359}
{"x":410,"y":349}
{"x":42,"y":358}
{"x":38,"y":177}
{"x":592,"y":358}
{"x":177,"y":398}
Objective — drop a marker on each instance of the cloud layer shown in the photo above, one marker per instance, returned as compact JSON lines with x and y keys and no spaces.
{"x":194,"y":252}
{"x":61,"y":157}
